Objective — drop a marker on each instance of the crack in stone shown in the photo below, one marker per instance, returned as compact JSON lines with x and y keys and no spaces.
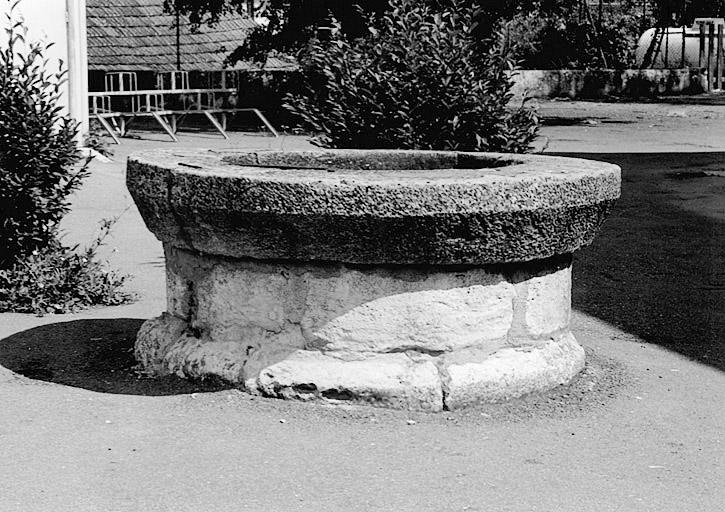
{"x":416,"y":349}
{"x":193,"y":303}
{"x":305,"y":388}
{"x":338,"y":394}
{"x":444,"y":378}
{"x":185,"y":236}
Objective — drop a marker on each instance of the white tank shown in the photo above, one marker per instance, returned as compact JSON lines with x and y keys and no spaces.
{"x":667,"y":51}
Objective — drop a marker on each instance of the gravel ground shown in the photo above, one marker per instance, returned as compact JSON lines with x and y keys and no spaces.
{"x":640,"y":429}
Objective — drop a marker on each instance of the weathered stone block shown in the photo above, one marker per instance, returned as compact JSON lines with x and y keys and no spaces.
{"x":431,"y":321}
{"x":548,"y":303}
{"x":198,"y":358}
{"x":512,"y":372}
{"x":155,"y":338}
{"x":389,"y":380}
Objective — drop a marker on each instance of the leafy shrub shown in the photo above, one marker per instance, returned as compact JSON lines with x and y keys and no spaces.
{"x":39,"y":170}
{"x":59,"y":279}
{"x":421,"y":79}
{"x":38,"y":151}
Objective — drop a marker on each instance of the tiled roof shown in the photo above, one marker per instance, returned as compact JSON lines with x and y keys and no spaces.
{"x":138,"y":35}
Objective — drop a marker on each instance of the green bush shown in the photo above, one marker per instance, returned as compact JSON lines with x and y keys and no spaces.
{"x":38,"y":153}
{"x":40,"y":167}
{"x":421,"y":79}
{"x":59,"y":279}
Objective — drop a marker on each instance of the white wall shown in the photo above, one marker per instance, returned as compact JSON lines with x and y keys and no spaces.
{"x":53,"y":21}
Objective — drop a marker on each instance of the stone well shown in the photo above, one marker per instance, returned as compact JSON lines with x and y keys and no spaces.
{"x":407,"y":279}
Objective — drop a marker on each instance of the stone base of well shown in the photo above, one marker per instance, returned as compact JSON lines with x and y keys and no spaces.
{"x":424,"y":338}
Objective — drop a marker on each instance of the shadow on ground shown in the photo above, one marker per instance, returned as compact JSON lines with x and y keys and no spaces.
{"x":90,"y":354}
{"x":657,"y":270}
{"x":580,"y":121}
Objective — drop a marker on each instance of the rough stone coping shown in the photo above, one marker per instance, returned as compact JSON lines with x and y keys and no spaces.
{"x":372,"y":206}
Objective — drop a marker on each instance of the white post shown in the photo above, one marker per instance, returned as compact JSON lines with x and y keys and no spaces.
{"x":77,"y":62}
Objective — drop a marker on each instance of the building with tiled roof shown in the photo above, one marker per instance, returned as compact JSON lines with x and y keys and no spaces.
{"x":138,"y":35}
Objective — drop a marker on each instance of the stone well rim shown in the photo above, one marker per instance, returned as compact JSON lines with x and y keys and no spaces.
{"x":271,"y":205}
{"x":494,"y":169}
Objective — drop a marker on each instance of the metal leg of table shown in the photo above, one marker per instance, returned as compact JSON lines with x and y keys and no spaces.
{"x":216,"y":124}
{"x":165,"y":126}
{"x":106,"y":126}
{"x":266,"y":122}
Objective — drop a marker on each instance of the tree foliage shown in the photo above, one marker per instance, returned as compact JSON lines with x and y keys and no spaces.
{"x":292,"y":23}
{"x":684,"y":12}
{"x":305,"y":14}
{"x":569,"y":34}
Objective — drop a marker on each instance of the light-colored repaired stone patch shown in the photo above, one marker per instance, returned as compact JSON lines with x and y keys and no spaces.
{"x":428,"y":321}
{"x":513,"y":372}
{"x":548,"y":303}
{"x":242,"y":303}
{"x":333,"y":296}
{"x":388,"y":380}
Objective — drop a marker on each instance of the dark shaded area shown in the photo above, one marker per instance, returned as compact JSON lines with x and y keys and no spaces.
{"x":90,"y":354}
{"x":704,"y":99}
{"x":580,"y":121}
{"x":657,"y":269}
{"x":700,"y":99}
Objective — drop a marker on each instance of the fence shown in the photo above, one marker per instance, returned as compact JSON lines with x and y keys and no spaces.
{"x":711,"y":54}
{"x":700,"y":46}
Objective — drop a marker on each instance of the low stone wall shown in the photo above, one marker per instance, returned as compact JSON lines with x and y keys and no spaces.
{"x":419,"y":337}
{"x":597,"y":84}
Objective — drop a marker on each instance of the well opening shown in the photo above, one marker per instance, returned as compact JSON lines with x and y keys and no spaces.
{"x":381,"y":160}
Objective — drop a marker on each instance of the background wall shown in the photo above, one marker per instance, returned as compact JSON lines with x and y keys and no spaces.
{"x":54,"y":21}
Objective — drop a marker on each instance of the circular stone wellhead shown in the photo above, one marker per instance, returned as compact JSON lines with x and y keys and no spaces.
{"x":410,"y":279}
